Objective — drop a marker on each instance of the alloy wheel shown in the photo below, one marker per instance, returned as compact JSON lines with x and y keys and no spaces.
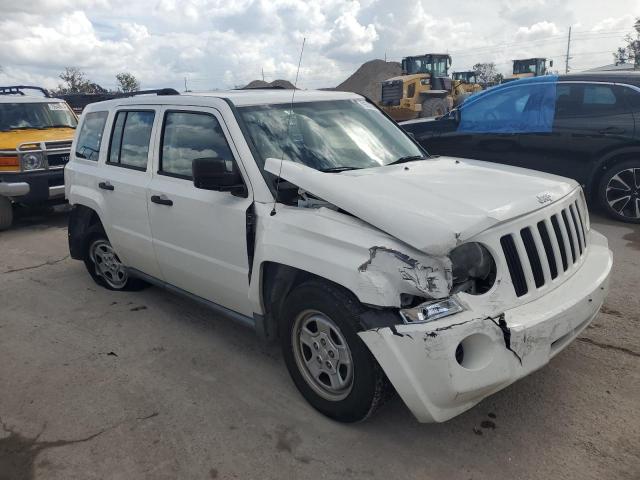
{"x":623,"y":193}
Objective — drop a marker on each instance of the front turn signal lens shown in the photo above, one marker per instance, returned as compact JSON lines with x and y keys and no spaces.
{"x":9,"y":163}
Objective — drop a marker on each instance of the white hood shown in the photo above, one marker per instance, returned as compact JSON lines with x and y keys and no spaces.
{"x":434,"y":204}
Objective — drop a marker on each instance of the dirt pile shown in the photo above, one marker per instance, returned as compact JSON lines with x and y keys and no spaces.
{"x":279,"y":83}
{"x":366,"y":80}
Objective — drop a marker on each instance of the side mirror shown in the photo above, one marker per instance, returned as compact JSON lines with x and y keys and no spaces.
{"x":217,"y":174}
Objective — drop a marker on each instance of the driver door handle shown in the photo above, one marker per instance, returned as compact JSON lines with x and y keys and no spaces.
{"x":161,"y":199}
{"x":106,"y":186}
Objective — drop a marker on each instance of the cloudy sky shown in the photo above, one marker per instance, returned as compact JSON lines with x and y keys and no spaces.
{"x":226,"y":43}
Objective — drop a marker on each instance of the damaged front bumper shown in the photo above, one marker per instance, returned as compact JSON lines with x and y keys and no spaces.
{"x":444,"y":367}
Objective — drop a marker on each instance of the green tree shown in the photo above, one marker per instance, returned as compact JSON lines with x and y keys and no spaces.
{"x":631,"y":51}
{"x":486,"y":73}
{"x":127,"y":82}
{"x":621,"y":56}
{"x":76,"y":81}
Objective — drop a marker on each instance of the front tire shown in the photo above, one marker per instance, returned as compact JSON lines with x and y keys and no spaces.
{"x":434,"y":107}
{"x":619,"y":191}
{"x":104,"y":265}
{"x":328,"y":362}
{"x":6,"y":213}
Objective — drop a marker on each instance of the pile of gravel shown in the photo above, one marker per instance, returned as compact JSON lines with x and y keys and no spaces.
{"x":276,"y":83}
{"x":367,"y":79}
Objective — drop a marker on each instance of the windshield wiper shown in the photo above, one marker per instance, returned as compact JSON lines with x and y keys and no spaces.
{"x":337,"y":169}
{"x":60,"y":125}
{"x":409,"y":158}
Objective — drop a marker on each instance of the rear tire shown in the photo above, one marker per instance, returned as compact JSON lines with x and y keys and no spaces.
{"x":329,"y":363}
{"x":104,"y":265}
{"x":434,"y":107}
{"x":6,"y":213}
{"x":619,"y":191}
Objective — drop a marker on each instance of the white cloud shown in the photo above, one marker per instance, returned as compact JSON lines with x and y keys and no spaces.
{"x":348,"y":36}
{"x":525,"y":12}
{"x":224,"y":43}
{"x":537,"y":31}
{"x":620,"y":23}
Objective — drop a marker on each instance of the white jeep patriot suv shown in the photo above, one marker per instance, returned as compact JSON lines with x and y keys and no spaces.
{"x":316,"y":220}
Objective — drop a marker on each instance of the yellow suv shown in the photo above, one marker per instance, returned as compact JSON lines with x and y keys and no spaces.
{"x":35,"y":139}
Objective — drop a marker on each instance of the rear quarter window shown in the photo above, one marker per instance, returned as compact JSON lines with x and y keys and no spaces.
{"x":90,"y":136}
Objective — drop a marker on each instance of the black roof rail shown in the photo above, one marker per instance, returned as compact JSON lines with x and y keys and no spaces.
{"x":17,"y":89}
{"x":157,"y":91}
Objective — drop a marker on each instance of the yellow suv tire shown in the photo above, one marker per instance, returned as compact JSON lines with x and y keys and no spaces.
{"x":6,"y":213}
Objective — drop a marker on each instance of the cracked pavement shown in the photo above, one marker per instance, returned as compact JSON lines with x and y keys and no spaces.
{"x":102,"y":385}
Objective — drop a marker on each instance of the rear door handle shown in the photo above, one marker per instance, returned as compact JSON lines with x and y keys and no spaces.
{"x":612,"y":131}
{"x":106,"y":186}
{"x":161,"y":199}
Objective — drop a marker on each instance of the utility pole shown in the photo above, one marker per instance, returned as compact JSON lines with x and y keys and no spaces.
{"x":566,"y":64}
{"x":185,"y":85}
{"x":263,"y":74}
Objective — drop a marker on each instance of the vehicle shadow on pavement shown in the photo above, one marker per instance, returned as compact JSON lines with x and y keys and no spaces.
{"x":40,"y":217}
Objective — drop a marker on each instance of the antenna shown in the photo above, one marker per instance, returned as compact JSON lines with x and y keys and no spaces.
{"x":293,"y":95}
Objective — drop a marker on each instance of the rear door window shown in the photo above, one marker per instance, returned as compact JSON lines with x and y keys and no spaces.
{"x":90,"y":137}
{"x":130,"y":139}
{"x":588,"y":100}
{"x":601,"y":100}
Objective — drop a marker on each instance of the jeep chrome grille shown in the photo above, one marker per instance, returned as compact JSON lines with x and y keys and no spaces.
{"x":549,"y":248}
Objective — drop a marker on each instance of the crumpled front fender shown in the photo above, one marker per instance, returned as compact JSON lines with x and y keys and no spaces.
{"x":373,"y":265}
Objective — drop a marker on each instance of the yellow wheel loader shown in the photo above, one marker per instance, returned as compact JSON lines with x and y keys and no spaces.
{"x":465,"y":84}
{"x":423,"y":90}
{"x":529,"y":67}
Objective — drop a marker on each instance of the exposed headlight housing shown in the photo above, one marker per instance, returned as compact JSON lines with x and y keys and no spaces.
{"x":432,"y":310}
{"x":32,"y":161}
{"x":474,"y":269}
{"x":425,"y":81}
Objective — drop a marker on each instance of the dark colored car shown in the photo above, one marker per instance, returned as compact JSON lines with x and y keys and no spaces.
{"x":582,"y":126}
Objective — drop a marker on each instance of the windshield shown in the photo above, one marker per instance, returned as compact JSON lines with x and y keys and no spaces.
{"x":468,"y":77}
{"x":343,"y":134}
{"x":429,"y":64}
{"x":14,"y":116}
{"x":529,"y":66}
